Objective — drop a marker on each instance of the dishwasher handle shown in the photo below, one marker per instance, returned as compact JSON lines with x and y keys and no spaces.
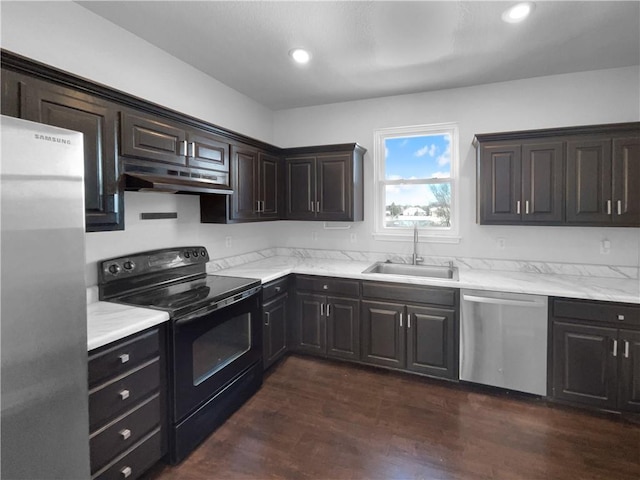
{"x":504,"y":301}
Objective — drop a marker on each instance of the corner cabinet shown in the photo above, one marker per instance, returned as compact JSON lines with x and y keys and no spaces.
{"x":587,"y":176}
{"x":596,"y":354}
{"x":32,"y":99}
{"x":324,"y":183}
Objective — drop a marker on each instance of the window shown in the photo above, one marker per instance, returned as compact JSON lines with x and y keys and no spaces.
{"x":415,"y":175}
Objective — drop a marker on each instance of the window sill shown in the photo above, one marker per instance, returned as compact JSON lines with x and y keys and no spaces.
{"x":408,"y":237}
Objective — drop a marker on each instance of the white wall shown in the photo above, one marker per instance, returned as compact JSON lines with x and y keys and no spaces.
{"x":606,"y":96}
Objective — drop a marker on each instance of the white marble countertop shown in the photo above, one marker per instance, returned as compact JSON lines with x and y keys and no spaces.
{"x":108,"y":322}
{"x":584,"y":287}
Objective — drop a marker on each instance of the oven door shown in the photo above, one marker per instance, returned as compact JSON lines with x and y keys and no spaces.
{"x":211,"y":350}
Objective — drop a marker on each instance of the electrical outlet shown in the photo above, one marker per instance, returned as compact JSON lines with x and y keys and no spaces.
{"x":502,"y":243}
{"x":227,"y":242}
{"x":605,"y":247}
{"x":353,"y":238}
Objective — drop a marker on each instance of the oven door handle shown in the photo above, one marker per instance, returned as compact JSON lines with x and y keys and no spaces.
{"x":216,"y":306}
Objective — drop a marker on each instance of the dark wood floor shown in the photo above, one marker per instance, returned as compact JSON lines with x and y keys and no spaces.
{"x":315,"y":419}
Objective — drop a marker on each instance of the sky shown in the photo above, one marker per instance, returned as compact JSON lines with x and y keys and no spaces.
{"x":415,"y":157}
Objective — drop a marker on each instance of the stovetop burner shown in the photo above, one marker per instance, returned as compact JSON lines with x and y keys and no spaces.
{"x":173,"y":280}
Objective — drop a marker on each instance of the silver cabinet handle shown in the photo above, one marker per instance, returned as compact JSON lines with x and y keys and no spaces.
{"x":266,"y":318}
{"x":192,"y":146}
{"x":277,"y":289}
{"x":312,"y":206}
{"x":125,"y":433}
{"x":124,"y":358}
{"x":318,"y":207}
{"x":626,"y":349}
{"x":185,"y":150}
{"x":124,"y":394}
{"x":619,"y":207}
{"x":328,"y":309}
{"x":261,"y":206}
{"x":615,"y":348}
{"x":321,"y":309}
{"x":126,"y":472}
{"x":408,"y":320}
{"x":608,"y":207}
{"x":526,"y":207}
{"x":518,"y":207}
{"x":620,"y":317}
{"x":401,"y":319}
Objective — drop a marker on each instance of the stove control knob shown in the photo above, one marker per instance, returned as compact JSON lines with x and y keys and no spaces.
{"x":203,"y":253}
{"x":187,"y":254}
{"x":195,"y":254}
{"x":129,"y":265}
{"x":114,"y":269}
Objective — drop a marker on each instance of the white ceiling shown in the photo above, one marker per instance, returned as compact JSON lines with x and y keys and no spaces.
{"x":373,"y":49}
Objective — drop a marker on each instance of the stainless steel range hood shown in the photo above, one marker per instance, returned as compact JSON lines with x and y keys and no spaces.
{"x":172,"y":184}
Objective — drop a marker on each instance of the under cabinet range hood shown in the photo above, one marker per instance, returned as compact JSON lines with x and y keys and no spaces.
{"x":163,"y":183}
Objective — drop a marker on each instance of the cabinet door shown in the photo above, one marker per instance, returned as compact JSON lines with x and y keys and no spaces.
{"x":12,"y":86}
{"x":589,"y":182}
{"x":208,"y":151}
{"x":300,"y":180}
{"x":383,"y":334}
{"x":431,"y":342}
{"x":275,"y":329}
{"x":500,"y":189}
{"x":343,"y":327}
{"x":311,"y":322}
{"x":334,"y":187}
{"x":244,"y":171}
{"x":97,"y":120}
{"x":542,"y":182}
{"x":626,"y":181}
{"x":153,"y":139}
{"x":584,"y":367}
{"x":269,"y":188}
{"x":629,"y":378}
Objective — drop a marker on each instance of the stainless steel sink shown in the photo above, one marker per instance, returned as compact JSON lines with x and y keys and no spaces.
{"x":429,"y":271}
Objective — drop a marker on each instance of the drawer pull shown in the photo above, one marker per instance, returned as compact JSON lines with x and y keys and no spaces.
{"x":325,"y":287}
{"x":278,"y":289}
{"x":626,"y":349}
{"x":124,"y":358}
{"x":125,"y":433}
{"x":620,"y":317}
{"x":124,"y":394}
{"x":126,"y":472}
{"x":615,"y":348}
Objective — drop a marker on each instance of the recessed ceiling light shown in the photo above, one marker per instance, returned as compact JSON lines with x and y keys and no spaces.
{"x":300,"y":55}
{"x":518,"y":12}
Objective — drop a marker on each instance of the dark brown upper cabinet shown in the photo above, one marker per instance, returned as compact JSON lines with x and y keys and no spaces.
{"x":324,"y":183}
{"x":257,"y":189}
{"x":39,"y":101}
{"x":521,"y":183}
{"x":587,"y":176}
{"x":151,"y":140}
{"x":255,"y":182}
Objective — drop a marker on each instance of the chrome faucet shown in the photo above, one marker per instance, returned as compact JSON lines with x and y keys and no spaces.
{"x":415,"y":259}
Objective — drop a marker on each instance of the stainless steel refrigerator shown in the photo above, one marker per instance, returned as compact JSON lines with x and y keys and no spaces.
{"x":43,"y":337}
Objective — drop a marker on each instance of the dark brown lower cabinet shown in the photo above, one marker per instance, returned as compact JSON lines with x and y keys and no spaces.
{"x":596,"y":354}
{"x":275,"y":329}
{"x":327,"y":324}
{"x":410,"y":337}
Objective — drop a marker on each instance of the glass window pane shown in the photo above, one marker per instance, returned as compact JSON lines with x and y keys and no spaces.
{"x":426,"y":205}
{"x":426,"y":156}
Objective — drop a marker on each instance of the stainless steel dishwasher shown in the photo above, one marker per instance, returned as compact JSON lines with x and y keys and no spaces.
{"x":503,"y":340}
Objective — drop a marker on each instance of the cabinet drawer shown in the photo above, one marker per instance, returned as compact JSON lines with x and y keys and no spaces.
{"x":275,"y":288}
{"x":135,"y":461}
{"x":123,"y":357}
{"x":619,"y":314}
{"x":406,"y":293}
{"x":120,"y":394}
{"x":122,"y":433}
{"x":329,"y":285}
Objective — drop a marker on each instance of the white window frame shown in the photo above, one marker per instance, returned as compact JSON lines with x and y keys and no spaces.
{"x":433,"y":234}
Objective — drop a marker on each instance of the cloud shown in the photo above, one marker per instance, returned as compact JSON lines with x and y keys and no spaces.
{"x":430,"y":150}
{"x":445,"y":158}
